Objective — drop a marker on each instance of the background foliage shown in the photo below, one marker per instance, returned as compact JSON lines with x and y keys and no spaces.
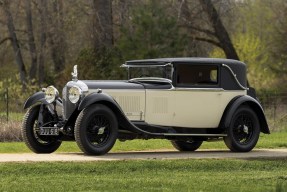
{"x":72,"y":32}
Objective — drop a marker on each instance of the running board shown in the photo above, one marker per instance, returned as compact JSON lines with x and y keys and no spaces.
{"x":195,"y":134}
{"x":133,"y":128}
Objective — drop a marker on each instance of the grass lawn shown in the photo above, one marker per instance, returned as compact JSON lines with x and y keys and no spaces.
{"x":274,"y":140}
{"x":146,"y":175}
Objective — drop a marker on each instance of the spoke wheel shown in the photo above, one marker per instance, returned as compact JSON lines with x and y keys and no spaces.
{"x":244,"y":130}
{"x":30,"y":132}
{"x":96,"y":130}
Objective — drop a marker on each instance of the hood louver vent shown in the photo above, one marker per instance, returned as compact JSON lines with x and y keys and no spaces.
{"x":129,"y":103}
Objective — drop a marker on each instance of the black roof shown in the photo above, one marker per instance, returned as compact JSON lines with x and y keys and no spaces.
{"x":162,"y":61}
{"x":232,"y":70}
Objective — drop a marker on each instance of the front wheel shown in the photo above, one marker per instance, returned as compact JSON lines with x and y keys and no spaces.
{"x":30,"y":132}
{"x":244,"y":130}
{"x":186,"y":145}
{"x":96,"y":130}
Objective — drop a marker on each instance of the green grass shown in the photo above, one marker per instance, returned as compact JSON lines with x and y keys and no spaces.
{"x":274,"y":140}
{"x":146,"y":175}
{"x":13,"y":116}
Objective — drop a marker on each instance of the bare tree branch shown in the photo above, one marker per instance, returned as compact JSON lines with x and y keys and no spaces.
{"x":208,"y":41}
{"x":219,"y":29}
{"x":15,"y":43}
{"x":5,"y":39}
{"x":206,"y":31}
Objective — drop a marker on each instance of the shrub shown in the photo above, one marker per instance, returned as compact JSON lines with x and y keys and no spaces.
{"x":10,"y":131}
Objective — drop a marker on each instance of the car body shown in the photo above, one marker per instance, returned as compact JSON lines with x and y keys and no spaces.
{"x":185,"y":100}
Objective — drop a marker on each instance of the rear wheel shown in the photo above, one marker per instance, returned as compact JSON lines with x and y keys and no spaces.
{"x":96,"y":130}
{"x":244,"y":130}
{"x":186,"y":145}
{"x":30,"y":132}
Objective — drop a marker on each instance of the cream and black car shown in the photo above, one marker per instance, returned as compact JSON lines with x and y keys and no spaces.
{"x":184,"y":100}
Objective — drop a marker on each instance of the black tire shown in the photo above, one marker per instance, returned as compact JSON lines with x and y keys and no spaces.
{"x":186,"y":145}
{"x":89,"y":135}
{"x":244,"y":130}
{"x":34,"y":141}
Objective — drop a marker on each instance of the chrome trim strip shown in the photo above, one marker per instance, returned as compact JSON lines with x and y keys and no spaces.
{"x":195,"y":134}
{"x":199,"y":89}
{"x":234,"y":75}
{"x":146,"y":65}
{"x":150,"y":79}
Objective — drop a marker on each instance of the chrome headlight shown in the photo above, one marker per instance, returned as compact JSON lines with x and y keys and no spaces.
{"x":51,"y":94}
{"x":74,"y":94}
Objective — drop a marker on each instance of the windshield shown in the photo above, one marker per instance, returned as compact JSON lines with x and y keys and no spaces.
{"x":150,"y":71}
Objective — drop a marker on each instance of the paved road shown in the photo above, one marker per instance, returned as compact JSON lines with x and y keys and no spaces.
{"x":201,"y":154}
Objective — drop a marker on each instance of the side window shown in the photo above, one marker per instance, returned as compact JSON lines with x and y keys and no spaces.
{"x":196,"y":75}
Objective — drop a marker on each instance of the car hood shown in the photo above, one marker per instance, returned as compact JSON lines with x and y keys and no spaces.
{"x":111,"y":84}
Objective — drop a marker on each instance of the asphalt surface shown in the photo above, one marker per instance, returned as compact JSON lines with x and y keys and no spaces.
{"x":143,"y":155}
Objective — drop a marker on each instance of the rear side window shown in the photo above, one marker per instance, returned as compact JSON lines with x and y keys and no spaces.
{"x":196,"y":75}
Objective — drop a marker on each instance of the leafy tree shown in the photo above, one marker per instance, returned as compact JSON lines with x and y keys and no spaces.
{"x":99,"y":64}
{"x":16,"y":95}
{"x":264,"y":21}
{"x":52,"y":36}
{"x":152,"y":33}
{"x":252,"y":51}
{"x":278,"y":39}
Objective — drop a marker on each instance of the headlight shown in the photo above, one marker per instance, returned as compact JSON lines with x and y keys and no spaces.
{"x":51,"y":94}
{"x":75,"y":94}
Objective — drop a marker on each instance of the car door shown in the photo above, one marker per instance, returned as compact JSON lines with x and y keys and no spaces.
{"x":197,"y":96}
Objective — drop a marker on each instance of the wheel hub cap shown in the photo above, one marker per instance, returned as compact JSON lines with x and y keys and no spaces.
{"x":101,"y":130}
{"x":245,"y":129}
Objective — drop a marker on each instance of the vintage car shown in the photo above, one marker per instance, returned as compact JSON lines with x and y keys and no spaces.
{"x":184,"y":100}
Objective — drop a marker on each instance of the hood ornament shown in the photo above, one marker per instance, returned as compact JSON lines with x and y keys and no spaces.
{"x":75,"y":73}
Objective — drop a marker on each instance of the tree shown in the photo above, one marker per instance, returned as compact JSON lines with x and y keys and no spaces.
{"x":56,"y":35}
{"x":98,"y":59}
{"x":253,"y":52}
{"x":31,"y":40}
{"x":15,"y":43}
{"x":43,"y":38}
{"x":215,"y":33}
{"x":153,"y":33}
{"x":219,"y":30}
{"x":278,"y":43}
{"x":5,"y":39}
{"x":260,"y":41}
{"x":102,"y":24}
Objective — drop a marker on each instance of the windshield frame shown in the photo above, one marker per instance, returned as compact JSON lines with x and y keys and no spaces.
{"x":148,"y":66}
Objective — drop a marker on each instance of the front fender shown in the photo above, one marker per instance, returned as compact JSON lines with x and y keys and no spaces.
{"x":38,"y":97}
{"x":115,"y":107}
{"x":253,"y":104}
{"x":94,"y":98}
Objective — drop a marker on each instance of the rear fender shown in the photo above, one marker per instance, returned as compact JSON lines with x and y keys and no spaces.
{"x":253,"y":104}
